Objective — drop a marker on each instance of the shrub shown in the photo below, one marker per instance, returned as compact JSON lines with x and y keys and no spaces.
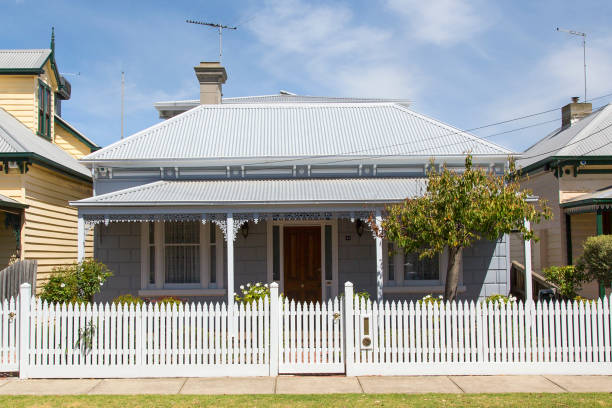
{"x":128,"y":300}
{"x":429,"y":299}
{"x":78,"y":282}
{"x":252,"y":293}
{"x":596,"y":260}
{"x":499,"y":299}
{"x":568,"y":279}
{"x":169,"y":302}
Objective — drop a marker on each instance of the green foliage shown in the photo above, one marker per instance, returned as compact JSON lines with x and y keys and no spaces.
{"x":252,"y":292}
{"x":170,"y":302}
{"x":568,"y":279}
{"x":458,"y":209}
{"x":128,"y":300}
{"x":430,"y":299}
{"x":596,"y":260}
{"x":498,"y":299}
{"x":77,"y":282}
{"x":86,"y":336}
{"x":362,"y":295}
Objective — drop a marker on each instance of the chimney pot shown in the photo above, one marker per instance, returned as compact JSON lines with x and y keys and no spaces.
{"x":211,"y":76}
{"x":575,"y":99}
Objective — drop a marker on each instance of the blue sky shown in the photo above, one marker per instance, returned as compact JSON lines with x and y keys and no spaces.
{"x":466,"y":63}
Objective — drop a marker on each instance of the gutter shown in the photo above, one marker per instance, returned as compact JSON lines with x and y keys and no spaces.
{"x":43,"y":161}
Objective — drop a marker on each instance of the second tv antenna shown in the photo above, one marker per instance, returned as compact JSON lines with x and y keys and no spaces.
{"x":220,"y":27}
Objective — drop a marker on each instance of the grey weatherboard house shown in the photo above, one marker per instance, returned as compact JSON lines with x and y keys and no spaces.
{"x":230,"y":191}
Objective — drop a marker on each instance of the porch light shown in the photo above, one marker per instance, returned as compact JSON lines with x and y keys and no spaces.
{"x":244,"y":229}
{"x":359,"y":226}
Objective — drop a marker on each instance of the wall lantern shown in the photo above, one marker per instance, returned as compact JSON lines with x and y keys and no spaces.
{"x":244,"y":229}
{"x":359,"y":226}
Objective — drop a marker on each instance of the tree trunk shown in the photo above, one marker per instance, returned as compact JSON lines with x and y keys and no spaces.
{"x":452,"y":273}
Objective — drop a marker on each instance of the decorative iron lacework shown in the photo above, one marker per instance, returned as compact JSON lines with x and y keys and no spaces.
{"x":220,"y":219}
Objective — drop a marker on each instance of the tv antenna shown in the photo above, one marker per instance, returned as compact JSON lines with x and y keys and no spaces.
{"x":220,"y":27}
{"x":583,"y":35}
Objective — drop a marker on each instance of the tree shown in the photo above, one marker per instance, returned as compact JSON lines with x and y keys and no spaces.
{"x":458,"y":209}
{"x":596,"y":260}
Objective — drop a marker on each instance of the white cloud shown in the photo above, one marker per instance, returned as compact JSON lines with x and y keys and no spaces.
{"x":333,"y":50}
{"x":442,"y":22}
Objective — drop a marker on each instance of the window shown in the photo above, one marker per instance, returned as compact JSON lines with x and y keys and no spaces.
{"x":181,"y":255}
{"x":404,"y":269}
{"x":151,"y":248}
{"x":44,"y":110}
{"x":182,"y":252}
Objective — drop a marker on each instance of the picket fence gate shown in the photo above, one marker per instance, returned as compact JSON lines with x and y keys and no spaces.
{"x":346,"y":335}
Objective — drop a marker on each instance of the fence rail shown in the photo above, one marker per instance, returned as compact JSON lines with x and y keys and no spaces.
{"x":351,"y":335}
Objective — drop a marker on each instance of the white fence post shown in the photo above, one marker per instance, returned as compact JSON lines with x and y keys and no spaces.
{"x":25,"y":293}
{"x":274,"y":329}
{"x":348,"y":329}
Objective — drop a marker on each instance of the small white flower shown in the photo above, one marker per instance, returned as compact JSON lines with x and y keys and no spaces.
{"x":101,"y":284}
{"x":63,"y":285}
{"x":242,"y":287}
{"x":440,"y":297}
{"x":235,"y":294}
{"x":248,"y":285}
{"x":266,"y":285}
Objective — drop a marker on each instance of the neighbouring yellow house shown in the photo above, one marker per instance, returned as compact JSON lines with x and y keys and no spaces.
{"x":39,"y":171}
{"x":571,"y":168}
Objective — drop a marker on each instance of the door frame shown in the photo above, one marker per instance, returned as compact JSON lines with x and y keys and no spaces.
{"x":333,"y":284}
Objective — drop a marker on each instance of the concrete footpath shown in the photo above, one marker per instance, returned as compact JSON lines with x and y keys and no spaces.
{"x":310,"y":385}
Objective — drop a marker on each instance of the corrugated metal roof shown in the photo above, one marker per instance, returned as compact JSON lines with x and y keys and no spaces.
{"x":304,"y":191}
{"x":296,"y":130}
{"x":23,"y":59}
{"x":603,"y":194}
{"x":591,"y":136}
{"x":276,"y":98}
{"x":15,"y":137}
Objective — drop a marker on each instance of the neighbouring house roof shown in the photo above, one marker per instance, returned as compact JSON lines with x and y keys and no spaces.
{"x":17,"y":140}
{"x":168,"y":109}
{"x":590,"y":137}
{"x":7,"y":202}
{"x":73,"y":131}
{"x":306,"y":130}
{"x":254,"y":192}
{"x":590,"y":202}
{"x":23,"y":59}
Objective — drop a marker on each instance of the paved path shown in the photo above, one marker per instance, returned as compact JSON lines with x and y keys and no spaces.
{"x":311,"y":385}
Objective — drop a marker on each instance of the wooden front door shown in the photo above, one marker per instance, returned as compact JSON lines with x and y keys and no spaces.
{"x":302,"y":263}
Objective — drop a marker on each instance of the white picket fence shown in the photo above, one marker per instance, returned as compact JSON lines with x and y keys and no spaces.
{"x":274,"y":335}
{"x":478,"y":338}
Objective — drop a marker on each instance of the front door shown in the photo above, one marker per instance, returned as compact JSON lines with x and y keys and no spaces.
{"x":302,"y":263}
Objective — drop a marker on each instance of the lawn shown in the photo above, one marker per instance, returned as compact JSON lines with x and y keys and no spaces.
{"x":298,"y":401}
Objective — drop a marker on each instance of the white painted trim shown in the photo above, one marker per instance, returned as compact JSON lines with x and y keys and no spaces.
{"x":204,"y":255}
{"x":160,"y":279}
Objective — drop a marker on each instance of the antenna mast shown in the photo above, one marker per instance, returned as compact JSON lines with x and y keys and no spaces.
{"x":122,"y":97}
{"x":220,"y":27}
{"x":583,"y":35}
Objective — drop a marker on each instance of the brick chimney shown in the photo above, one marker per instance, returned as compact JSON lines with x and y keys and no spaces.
{"x":211,"y":76}
{"x":574,"y":111}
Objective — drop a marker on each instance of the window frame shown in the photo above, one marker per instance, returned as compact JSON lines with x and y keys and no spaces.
{"x":160,"y":245}
{"x":398,"y":263}
{"x":44,"y":110}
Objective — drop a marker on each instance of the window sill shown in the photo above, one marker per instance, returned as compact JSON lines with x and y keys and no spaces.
{"x":419,"y":289}
{"x":181,"y":292}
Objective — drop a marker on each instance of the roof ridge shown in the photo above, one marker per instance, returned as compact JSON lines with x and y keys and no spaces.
{"x":585,"y":132}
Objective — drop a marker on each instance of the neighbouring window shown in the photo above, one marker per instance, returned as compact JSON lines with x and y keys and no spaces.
{"x":182,"y":252}
{"x":44,"y":110}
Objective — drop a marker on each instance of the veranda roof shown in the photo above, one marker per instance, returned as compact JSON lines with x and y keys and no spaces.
{"x":591,"y":202}
{"x":261,"y":192}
